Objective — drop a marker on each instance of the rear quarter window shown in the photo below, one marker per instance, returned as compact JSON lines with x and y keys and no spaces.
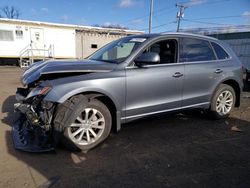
{"x":192,"y":49}
{"x":220,"y":52}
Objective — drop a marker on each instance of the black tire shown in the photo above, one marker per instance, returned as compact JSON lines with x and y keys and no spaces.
{"x":212,"y":111}
{"x":68,"y":112}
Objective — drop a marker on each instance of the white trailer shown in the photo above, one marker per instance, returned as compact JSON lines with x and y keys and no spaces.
{"x":30,"y":41}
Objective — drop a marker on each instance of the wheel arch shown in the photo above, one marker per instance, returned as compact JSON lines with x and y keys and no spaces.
{"x":109,"y":102}
{"x":235,"y":85}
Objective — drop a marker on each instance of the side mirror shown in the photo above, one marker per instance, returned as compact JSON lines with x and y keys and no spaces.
{"x":148,"y":58}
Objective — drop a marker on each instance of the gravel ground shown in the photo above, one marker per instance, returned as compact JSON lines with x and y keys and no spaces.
{"x":174,"y":150}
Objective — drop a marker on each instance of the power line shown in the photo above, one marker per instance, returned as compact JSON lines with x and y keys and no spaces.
{"x":211,"y":23}
{"x":159,"y":11}
{"x":196,"y":21}
{"x":219,"y":17}
{"x":158,"y":26}
{"x":214,"y":2}
{"x":156,"y":12}
{"x":201,"y":2}
{"x":183,"y":5}
{"x":164,"y":10}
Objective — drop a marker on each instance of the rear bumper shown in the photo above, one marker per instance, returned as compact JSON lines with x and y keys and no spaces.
{"x":27,"y":137}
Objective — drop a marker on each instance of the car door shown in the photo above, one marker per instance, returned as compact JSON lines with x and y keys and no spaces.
{"x":155,"y":88}
{"x":202,"y":71}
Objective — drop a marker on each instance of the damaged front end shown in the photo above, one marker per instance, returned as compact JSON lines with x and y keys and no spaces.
{"x":32,"y":131}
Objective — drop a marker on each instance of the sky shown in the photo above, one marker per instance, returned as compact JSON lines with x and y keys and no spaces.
{"x":134,"y":14}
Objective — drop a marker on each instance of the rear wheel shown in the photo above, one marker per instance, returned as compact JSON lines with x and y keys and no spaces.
{"x":223,"y":102}
{"x":86,"y":123}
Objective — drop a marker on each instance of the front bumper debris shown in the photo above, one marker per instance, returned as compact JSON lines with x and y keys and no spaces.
{"x":21,"y":93}
{"x":29,"y":138}
{"x":29,"y":132}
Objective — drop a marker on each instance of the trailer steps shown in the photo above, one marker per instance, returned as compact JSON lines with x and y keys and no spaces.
{"x":30,"y":55}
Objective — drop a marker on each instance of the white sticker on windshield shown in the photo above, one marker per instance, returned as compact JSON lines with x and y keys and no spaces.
{"x":138,"y":40}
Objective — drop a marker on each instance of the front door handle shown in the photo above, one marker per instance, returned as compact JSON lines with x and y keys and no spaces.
{"x":218,"y":71}
{"x":177,"y":75}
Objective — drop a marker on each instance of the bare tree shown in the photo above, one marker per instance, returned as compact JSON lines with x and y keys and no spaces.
{"x":10,"y":12}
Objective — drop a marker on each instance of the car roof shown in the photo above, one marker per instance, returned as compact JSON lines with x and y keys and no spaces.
{"x":176,"y":34}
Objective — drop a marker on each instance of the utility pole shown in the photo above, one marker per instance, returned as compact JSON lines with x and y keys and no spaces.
{"x":151,"y":15}
{"x":180,"y":15}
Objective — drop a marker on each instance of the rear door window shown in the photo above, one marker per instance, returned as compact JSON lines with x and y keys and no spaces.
{"x":220,"y":52}
{"x":195,"y":50}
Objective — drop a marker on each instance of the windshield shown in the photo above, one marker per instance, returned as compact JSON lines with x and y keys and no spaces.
{"x":117,"y":51}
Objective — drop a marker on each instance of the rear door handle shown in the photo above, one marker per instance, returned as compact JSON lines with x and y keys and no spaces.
{"x":177,"y":75}
{"x":218,"y":71}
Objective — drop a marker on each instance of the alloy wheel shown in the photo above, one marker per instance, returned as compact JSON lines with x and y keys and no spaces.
{"x":87,"y":127}
{"x":224,"y":102}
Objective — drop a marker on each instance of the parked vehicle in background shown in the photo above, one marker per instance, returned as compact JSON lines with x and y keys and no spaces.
{"x":248,"y":74}
{"x":78,"y":102}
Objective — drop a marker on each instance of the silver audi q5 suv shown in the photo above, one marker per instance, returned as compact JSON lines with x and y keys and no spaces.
{"x":77,"y":102}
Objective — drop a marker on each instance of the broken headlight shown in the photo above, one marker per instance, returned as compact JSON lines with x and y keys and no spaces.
{"x":39,"y":91}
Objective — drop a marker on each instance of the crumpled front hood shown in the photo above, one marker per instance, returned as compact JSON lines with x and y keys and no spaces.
{"x":36,"y":70}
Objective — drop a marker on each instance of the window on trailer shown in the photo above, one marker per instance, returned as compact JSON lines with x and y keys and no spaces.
{"x":94,"y":46}
{"x":19,"y":34}
{"x":6,"y":35}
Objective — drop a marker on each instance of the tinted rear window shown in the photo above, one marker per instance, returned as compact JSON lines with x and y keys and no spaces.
{"x":195,"y":50}
{"x":220,"y":52}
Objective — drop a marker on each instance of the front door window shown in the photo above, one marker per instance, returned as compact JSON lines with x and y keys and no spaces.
{"x":167,"y":50}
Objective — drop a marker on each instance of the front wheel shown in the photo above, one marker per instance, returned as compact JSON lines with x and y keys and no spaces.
{"x":87,"y":123}
{"x":223,"y":102}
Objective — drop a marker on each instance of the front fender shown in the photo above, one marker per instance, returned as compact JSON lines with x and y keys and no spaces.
{"x":114,"y":88}
{"x":61,"y":98}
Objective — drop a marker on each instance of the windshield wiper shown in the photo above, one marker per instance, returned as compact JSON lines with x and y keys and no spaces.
{"x":107,"y":61}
